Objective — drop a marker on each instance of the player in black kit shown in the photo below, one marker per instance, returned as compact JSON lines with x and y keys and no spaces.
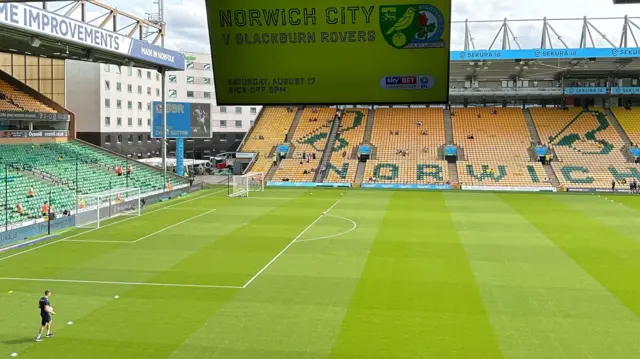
{"x":45,"y":313}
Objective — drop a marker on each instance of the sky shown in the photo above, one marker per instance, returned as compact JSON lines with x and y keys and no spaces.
{"x":187,"y":23}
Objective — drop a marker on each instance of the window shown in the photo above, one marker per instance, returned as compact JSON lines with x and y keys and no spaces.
{"x":129,"y":71}
{"x":207,"y":80}
{"x":189,"y":65}
{"x":107,"y":103}
{"x":207,"y":67}
{"x":107,"y":139}
{"x":139,"y":122}
{"x":107,"y":121}
{"x":130,"y":122}
{"x":139,"y":89}
{"x":148,"y":137}
{"x":251,"y":123}
{"x":118,"y":70}
{"x":118,"y":104}
{"x":148,"y":90}
{"x":173,"y":79}
{"x":139,"y":138}
{"x":130,"y":105}
{"x":107,"y":68}
{"x":239,"y":136}
{"x":129,"y":88}
{"x":148,"y":75}
{"x":238,"y":109}
{"x":223,"y":109}
{"x":158,"y":92}
{"x":173,"y":93}
{"x":119,"y":138}
{"x":223,"y":136}
{"x":118,"y":86}
{"x":130,"y":138}
{"x":238,"y":124}
{"x":107,"y":85}
{"x":207,"y":95}
{"x":148,"y":106}
{"x":189,"y":94}
{"x":119,"y":122}
{"x":148,"y":122}
{"x":190,"y":79}
{"x":253,"y":110}
{"x":139,"y":73}
{"x":223,"y":123}
{"x":139,"y":105}
{"x":157,"y":76}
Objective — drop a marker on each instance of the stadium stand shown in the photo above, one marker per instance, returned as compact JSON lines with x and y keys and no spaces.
{"x":309,"y":140}
{"x":52,"y":167}
{"x":407,"y":142}
{"x":267,"y":133}
{"x":18,"y":185}
{"x":630,"y":121}
{"x":587,"y":147}
{"x":21,"y":100}
{"x":495,"y":143}
{"x":343,"y":164}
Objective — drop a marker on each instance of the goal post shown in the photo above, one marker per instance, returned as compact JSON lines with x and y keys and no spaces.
{"x":240,"y":186}
{"x":94,"y":208}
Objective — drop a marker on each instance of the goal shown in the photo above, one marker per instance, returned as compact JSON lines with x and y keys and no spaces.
{"x":92,"y":209}
{"x":240,"y":186}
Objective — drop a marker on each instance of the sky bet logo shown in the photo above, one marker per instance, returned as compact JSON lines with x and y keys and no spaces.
{"x":413,"y":82}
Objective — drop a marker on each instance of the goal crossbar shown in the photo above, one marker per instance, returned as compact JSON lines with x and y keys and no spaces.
{"x":241,"y":185}
{"x":93,"y":208}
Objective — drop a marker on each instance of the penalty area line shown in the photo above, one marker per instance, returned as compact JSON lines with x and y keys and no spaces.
{"x":175,"y":285}
{"x":110,"y":224}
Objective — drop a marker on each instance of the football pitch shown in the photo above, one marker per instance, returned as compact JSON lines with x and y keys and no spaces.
{"x":297,"y":273}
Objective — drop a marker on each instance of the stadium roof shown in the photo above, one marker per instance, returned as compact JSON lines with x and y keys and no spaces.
{"x":29,"y":30}
{"x":568,"y":63}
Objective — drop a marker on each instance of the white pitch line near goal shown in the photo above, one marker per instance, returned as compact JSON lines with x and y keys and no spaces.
{"x":141,"y":238}
{"x":175,"y":285}
{"x":289,"y":245}
{"x":110,"y":224}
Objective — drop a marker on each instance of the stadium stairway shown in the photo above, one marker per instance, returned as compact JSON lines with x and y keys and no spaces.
{"x":368,"y":130}
{"x":294,"y":125}
{"x":448,"y":126}
{"x":331,"y":147}
{"x":552,"y":175}
{"x":453,"y":172}
{"x":532,"y":127}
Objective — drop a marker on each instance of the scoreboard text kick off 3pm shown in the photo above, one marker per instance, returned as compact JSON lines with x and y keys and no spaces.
{"x":282,"y":52}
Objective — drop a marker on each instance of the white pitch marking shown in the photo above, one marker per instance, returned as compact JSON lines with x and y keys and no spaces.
{"x":173,"y":225}
{"x":94,"y":241}
{"x":110,"y":224}
{"x":289,"y":245}
{"x":121,"y":283}
{"x":355,"y":225}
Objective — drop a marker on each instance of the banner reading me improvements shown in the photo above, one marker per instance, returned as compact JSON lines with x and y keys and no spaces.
{"x":317,"y":52}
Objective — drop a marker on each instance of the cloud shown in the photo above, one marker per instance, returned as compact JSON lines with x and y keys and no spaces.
{"x":187,"y":22}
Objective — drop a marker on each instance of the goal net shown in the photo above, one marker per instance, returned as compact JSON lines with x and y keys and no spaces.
{"x":92,"y":209}
{"x":240,"y":186}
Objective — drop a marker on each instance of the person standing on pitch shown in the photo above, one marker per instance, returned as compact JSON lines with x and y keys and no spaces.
{"x":45,"y":312}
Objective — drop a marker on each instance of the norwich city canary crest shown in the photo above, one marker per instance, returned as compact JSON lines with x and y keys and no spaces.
{"x":412,"y":26}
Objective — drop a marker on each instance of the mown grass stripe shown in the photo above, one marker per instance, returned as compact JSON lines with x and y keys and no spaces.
{"x":417,"y":297}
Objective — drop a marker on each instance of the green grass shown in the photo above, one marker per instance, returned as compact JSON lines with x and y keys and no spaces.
{"x":413,"y":275}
